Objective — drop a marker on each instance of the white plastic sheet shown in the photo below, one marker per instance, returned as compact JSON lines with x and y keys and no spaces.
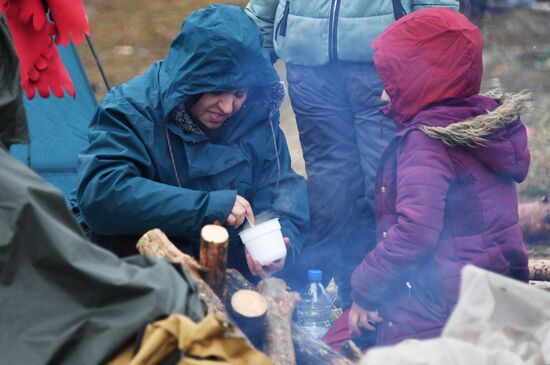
{"x":497,"y":320}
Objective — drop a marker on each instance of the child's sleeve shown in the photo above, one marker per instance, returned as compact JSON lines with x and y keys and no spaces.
{"x":424,"y":173}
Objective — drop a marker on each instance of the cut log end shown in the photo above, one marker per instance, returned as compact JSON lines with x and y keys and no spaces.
{"x":214,"y":233}
{"x":213,"y":256}
{"x":249,"y":303}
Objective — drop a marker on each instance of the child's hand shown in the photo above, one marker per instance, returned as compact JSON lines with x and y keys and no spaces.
{"x":360,"y":318}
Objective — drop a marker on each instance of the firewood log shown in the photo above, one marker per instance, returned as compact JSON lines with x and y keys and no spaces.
{"x":213,"y":256}
{"x":248,"y":308}
{"x":235,"y":281}
{"x":539,"y":270}
{"x":309,"y":350}
{"x":281,"y":304}
{"x":534,"y":220}
{"x":155,"y":243}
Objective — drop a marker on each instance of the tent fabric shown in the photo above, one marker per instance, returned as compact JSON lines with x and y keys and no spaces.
{"x":64,"y":300}
{"x":58,"y":128}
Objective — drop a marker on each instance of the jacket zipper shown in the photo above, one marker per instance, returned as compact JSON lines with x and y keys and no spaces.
{"x":332,"y":32}
{"x":284,"y":18}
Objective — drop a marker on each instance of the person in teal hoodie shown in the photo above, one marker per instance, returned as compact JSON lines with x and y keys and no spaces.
{"x":335,"y":94}
{"x":194,"y":140}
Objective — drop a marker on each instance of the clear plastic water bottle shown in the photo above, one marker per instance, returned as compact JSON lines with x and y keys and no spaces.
{"x":314,"y":310}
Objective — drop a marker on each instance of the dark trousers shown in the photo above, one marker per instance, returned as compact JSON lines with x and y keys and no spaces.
{"x":343,"y":134}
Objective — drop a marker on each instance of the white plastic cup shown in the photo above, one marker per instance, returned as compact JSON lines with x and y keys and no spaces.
{"x":264,"y":241}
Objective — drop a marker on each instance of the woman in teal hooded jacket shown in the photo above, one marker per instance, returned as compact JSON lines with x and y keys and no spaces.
{"x":193,"y":140}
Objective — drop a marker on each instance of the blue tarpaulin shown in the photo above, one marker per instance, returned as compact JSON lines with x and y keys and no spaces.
{"x":58,"y":128}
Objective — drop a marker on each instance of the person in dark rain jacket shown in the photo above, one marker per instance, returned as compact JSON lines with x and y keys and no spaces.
{"x":335,"y":94}
{"x":193,"y":140}
{"x":446,"y":187}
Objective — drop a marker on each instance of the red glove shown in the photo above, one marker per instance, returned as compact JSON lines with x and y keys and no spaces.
{"x":40,"y":62}
{"x":24,"y":10}
{"x":33,"y":48}
{"x":69,"y":17}
{"x":53,"y":76}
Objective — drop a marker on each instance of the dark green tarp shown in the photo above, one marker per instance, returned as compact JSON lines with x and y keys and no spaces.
{"x":64,"y":300}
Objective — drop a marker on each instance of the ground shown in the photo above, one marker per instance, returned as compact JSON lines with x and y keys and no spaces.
{"x":131,"y":34}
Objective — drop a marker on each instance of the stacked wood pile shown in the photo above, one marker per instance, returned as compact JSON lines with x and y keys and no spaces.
{"x":262,"y":314}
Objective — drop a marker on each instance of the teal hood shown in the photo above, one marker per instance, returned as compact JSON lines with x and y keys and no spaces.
{"x":219,"y":48}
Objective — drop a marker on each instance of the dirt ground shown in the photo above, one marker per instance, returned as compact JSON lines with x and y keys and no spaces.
{"x":131,"y":34}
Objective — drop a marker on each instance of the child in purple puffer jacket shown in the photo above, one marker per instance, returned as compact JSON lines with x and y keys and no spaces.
{"x":446,"y":186}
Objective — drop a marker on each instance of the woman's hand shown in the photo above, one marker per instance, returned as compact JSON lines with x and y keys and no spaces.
{"x":265,"y":271}
{"x":240,"y":210}
{"x":359,"y":318}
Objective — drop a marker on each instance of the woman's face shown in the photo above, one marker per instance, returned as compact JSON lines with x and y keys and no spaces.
{"x":213,"y":109}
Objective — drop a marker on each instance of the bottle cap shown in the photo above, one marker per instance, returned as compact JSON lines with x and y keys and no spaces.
{"x":314,"y":275}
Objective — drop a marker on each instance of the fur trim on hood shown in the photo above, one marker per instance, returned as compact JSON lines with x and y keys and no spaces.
{"x":274,"y":96}
{"x":473,"y":132}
